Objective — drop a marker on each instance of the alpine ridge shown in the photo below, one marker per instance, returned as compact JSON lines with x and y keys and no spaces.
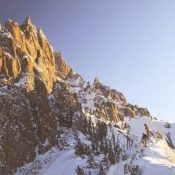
{"x":53,"y":122}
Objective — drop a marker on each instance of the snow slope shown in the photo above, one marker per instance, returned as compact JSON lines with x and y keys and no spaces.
{"x":156,"y":158}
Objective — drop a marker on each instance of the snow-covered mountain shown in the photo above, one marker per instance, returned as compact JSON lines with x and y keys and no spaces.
{"x":53,"y":122}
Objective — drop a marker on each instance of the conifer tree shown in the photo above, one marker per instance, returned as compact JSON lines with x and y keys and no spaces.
{"x":79,"y":171}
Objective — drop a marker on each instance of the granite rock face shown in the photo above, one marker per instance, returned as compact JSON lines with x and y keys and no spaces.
{"x":26,"y":53}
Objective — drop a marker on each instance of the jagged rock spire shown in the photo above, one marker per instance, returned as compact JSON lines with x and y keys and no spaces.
{"x":26,"y":41}
{"x":28,"y":21}
{"x":8,"y":23}
{"x":96,"y":80}
{"x":27,"y":24}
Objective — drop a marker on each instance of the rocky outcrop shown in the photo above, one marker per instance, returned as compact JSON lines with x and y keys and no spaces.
{"x":65,"y":105}
{"x":108,"y":111}
{"x":17,"y":146}
{"x":26,"y":52}
{"x":116,"y":107}
{"x":133,"y":110}
{"x":27,"y":126}
{"x":108,"y":92}
{"x":62,"y":69}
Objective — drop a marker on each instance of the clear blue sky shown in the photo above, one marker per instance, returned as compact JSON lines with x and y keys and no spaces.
{"x":128,"y":44}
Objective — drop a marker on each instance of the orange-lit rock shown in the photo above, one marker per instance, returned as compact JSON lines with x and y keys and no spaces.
{"x":26,"y":41}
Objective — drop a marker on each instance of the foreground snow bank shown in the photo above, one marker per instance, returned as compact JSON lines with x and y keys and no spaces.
{"x":156,"y":159}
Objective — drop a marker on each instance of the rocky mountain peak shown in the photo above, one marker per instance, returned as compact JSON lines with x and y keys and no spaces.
{"x":25,"y":54}
{"x":41,"y":97}
{"x":96,"y":80}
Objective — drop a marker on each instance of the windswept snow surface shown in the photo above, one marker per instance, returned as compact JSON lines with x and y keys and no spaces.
{"x":64,"y":164}
{"x":157,"y":158}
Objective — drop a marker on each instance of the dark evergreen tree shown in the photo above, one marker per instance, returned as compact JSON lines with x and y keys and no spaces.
{"x":87,"y":150}
{"x":91,"y":161}
{"x":101,"y":130}
{"x":111,"y":156}
{"x":101,"y":170}
{"x":169,"y":140}
{"x":69,"y":119}
{"x":89,"y":128}
{"x":105,"y":149}
{"x":85,"y":125}
{"x":79,"y":148}
{"x":79,"y":171}
{"x":113,"y":140}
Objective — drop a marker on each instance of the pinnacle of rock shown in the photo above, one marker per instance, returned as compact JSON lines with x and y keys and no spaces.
{"x":28,"y":20}
{"x":18,"y":42}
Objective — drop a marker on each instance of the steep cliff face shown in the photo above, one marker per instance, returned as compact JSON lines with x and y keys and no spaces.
{"x":28,"y":72}
{"x":40,"y":93}
{"x":26,"y":53}
{"x":26,"y":125}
